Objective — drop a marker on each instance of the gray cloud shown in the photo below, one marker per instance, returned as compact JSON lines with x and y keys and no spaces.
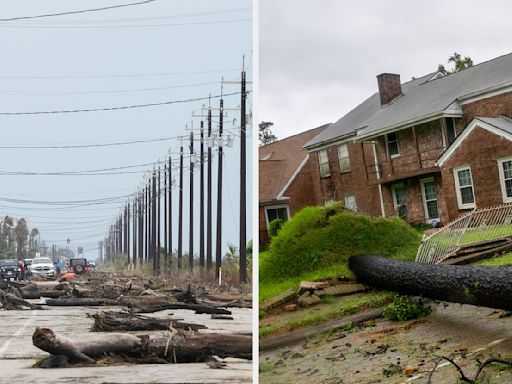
{"x":319,"y":59}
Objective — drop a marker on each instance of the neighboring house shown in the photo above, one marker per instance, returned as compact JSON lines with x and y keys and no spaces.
{"x":431,"y":148}
{"x":284,"y":179}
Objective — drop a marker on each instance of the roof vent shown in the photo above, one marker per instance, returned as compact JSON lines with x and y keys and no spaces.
{"x":389,"y":87}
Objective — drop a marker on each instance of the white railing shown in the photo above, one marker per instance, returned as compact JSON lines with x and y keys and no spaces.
{"x":477,"y":226}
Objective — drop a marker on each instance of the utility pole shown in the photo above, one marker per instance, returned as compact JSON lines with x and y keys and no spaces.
{"x":128,"y":234}
{"x":191,"y":209}
{"x":141,"y":226}
{"x":209,"y":195}
{"x":153,"y":223}
{"x":243,"y":184}
{"x":180,"y":213}
{"x":169,"y":198}
{"x":158,"y":218}
{"x":135,"y":232}
{"x":218,"y":242}
{"x":201,"y":200}
{"x":166,"y":255}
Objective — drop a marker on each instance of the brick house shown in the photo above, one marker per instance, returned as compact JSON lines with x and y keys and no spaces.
{"x":284,"y":179}
{"x":428,"y":149}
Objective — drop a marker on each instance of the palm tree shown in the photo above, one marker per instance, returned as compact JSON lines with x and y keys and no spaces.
{"x":33,"y":241}
{"x":21,"y":232}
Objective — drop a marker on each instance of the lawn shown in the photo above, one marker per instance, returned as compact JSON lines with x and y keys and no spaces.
{"x":501,"y":261}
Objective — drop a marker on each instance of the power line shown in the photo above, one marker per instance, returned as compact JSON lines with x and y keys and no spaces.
{"x":182,"y":15}
{"x":64,"y":93}
{"x":119,"y":107}
{"x":114,"y":75}
{"x":74,"y":146}
{"x":78,"y":11}
{"x":124,"y":26}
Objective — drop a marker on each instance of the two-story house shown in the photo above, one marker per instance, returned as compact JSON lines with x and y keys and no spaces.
{"x":428,"y":149}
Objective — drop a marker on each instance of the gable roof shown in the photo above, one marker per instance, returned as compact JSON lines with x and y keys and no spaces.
{"x":280,"y":161}
{"x":501,"y":126}
{"x":421,"y":99}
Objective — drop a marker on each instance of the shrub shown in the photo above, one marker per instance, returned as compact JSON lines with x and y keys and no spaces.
{"x":317,"y":237}
{"x":274,"y":226}
{"x":404,"y":308}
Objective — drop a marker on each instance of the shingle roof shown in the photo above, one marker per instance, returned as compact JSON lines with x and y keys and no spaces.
{"x":503,"y":122}
{"x":420,"y":98}
{"x":280,"y":160}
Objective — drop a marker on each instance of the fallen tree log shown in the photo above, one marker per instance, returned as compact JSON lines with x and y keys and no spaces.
{"x":179,"y":347}
{"x":199,"y":309}
{"x":77,"y":302}
{"x":30,"y":291}
{"x":477,"y":285}
{"x":9,"y":301}
{"x":118,"y":321}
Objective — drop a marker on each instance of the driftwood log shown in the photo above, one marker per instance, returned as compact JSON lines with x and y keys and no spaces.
{"x":79,"y":301}
{"x":179,"y":347}
{"x":119,"y":321}
{"x":10,"y":299}
{"x":477,"y":285}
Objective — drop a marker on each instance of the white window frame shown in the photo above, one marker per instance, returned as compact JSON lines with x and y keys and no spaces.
{"x":394,"y":187}
{"x":424,"y":198}
{"x":340,"y":158}
{"x":355,"y":202}
{"x":458,"y":187}
{"x":320,"y":163}
{"x":276,"y":207}
{"x":506,"y":199}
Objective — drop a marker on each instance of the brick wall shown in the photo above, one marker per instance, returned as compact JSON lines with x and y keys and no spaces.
{"x":264,"y":238}
{"x":484,"y":169}
{"x":353,"y":182}
{"x":490,"y":107}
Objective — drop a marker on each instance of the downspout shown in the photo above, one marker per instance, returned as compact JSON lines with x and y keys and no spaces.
{"x":378,"y":178}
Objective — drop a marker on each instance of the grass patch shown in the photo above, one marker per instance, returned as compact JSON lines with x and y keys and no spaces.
{"x":403,"y":308}
{"x":335,"y":311}
{"x":501,"y":261}
{"x":267,"y":367}
{"x":320,"y":240}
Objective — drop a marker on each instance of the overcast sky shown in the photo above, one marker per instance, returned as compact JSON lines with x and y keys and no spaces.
{"x":319,"y":59}
{"x":105,"y":59}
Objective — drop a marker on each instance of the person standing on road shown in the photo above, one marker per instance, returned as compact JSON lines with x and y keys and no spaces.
{"x":21,"y":267}
{"x":58,"y":267}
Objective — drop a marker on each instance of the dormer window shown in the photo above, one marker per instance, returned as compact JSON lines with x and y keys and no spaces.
{"x":450,"y":130}
{"x":393,"y":145}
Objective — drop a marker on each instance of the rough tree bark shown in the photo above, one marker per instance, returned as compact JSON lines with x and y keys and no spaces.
{"x":179,"y":347}
{"x":483,"y":286}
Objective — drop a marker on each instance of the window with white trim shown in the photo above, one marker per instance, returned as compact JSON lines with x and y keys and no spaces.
{"x":350,"y":202}
{"x":323,"y":161}
{"x":429,"y":194}
{"x":343,"y":157}
{"x":393,"y":144}
{"x":276,"y":212}
{"x":464,"y":187}
{"x":505,"y":171}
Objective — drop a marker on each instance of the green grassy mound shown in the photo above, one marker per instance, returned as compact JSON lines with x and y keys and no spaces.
{"x":319,"y":238}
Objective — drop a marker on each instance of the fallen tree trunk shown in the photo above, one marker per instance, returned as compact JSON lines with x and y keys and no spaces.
{"x":117,"y":321}
{"x":76,"y":302}
{"x":178,"y":347}
{"x":30,"y":291}
{"x":156,"y":307}
{"x":9,"y":300}
{"x":482,"y":286}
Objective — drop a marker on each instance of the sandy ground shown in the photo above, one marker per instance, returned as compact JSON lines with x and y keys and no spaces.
{"x":17,"y":354}
{"x":380,"y":350}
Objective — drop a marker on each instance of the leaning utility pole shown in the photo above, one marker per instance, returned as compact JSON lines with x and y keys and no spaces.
{"x":243,"y":184}
{"x":180,"y":213}
{"x":218,"y":242}
{"x":191,"y":209}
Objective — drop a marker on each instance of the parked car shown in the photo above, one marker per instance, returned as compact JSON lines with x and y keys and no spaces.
{"x":9,"y":269}
{"x":91,"y":265}
{"x":43,"y":266}
{"x":78,"y":266}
